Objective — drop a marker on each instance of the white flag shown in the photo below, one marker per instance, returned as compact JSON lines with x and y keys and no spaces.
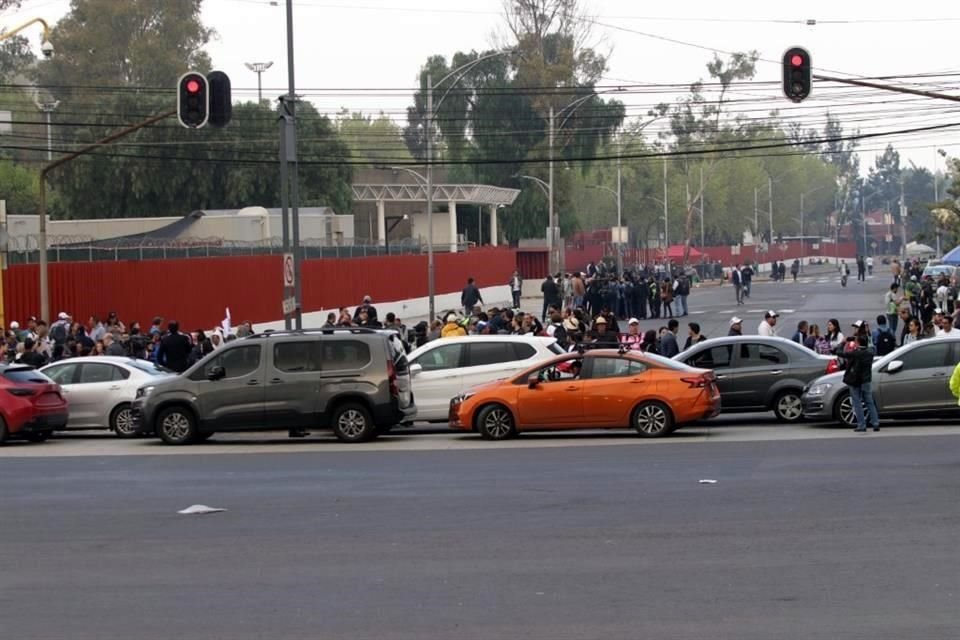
{"x":226,"y":323}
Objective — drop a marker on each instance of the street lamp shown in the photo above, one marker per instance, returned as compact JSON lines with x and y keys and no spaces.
{"x":258,"y":68}
{"x":540,"y":183}
{"x":619,"y":240}
{"x":48,"y":107}
{"x":46,"y":46}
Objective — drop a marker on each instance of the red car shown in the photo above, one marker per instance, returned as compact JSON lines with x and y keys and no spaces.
{"x":31,"y":405}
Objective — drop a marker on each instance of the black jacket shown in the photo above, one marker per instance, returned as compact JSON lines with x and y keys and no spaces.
{"x":470,"y":296}
{"x":551,"y":292}
{"x":859,"y":369}
{"x":174,"y":352}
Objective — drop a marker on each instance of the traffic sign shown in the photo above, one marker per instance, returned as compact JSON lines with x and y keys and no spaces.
{"x":289,"y":275}
{"x":289,"y":306}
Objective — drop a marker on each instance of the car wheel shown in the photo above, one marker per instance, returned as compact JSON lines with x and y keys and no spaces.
{"x":495,"y":422}
{"x":176,"y":425}
{"x":42,"y":436}
{"x":843,"y":411}
{"x":352,"y":423}
{"x":788,"y":407}
{"x":653,"y":420}
{"x":3,"y":430}
{"x":121,"y":422}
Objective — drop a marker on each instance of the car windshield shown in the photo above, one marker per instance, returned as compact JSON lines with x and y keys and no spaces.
{"x":26,"y":375}
{"x":150,"y":368}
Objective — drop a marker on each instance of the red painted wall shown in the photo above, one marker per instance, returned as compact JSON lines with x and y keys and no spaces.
{"x":195,"y":291}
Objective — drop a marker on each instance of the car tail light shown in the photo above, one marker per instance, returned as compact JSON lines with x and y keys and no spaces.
{"x":833,"y":366}
{"x":20,"y":391}
{"x":392,"y":377}
{"x":699,"y":382}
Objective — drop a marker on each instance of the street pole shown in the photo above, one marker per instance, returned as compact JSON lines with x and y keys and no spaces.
{"x":903,"y":224}
{"x":770,"y":206}
{"x":619,"y":217}
{"x":803,"y":244}
{"x":552,"y":235}
{"x":702,"y":235}
{"x":431,"y":292}
{"x":936,"y":198}
{"x":756,"y":216}
{"x":293,"y":178}
{"x":666,"y":219}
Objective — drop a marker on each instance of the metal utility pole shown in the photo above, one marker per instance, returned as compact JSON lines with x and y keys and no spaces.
{"x":903,"y":223}
{"x":770,"y":195}
{"x":431,"y":290}
{"x":666,"y":219}
{"x":48,"y":108}
{"x":258,"y":68}
{"x":756,"y":216}
{"x":803,"y":248}
{"x":552,"y":234}
{"x":702,"y":235}
{"x":936,"y":198}
{"x":620,"y":239}
{"x":290,"y":156}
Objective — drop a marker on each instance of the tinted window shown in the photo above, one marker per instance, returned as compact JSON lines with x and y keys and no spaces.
{"x":294,"y":357}
{"x":236,"y":362}
{"x":616,"y":368}
{"x":93,"y":373}
{"x":712,"y":358}
{"x":760,"y":355}
{"x":62,"y":374}
{"x":523,"y":351}
{"x":150,"y":368}
{"x":26,"y":375}
{"x":929,"y":356}
{"x":484,"y":353}
{"x":555,"y":348}
{"x":444,"y":357}
{"x":340,"y":355}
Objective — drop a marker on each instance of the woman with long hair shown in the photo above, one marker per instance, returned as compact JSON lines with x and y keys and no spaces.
{"x":650,"y":342}
{"x":834,"y":335}
{"x":666,"y":298}
{"x":914,"y":331}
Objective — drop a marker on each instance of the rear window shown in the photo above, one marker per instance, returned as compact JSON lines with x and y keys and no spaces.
{"x":26,"y":376}
{"x":340,"y":355}
{"x":150,"y":368}
{"x":523,"y":351}
{"x":480,"y":354}
{"x":556,"y":348}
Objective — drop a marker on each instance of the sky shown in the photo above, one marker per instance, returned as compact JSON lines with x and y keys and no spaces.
{"x":364,"y":55}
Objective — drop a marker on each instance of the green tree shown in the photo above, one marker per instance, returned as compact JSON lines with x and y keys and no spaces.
{"x":19,"y":186}
{"x":377,"y":140}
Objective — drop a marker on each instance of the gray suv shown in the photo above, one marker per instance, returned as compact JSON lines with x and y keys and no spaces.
{"x":353,"y":381}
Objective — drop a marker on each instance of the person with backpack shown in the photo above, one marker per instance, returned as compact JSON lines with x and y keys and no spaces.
{"x":60,"y":330}
{"x":884,"y":339}
{"x":682,"y":290}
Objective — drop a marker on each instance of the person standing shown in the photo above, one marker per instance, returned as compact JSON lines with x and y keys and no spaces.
{"x":892,"y":300}
{"x":668,"y":341}
{"x":870,"y":265}
{"x":551,"y":296}
{"x":782,"y":271}
{"x":767,"y":327}
{"x":800,"y":337}
{"x":470,"y":297}
{"x":666,"y":297}
{"x":736,"y":327}
{"x":858,"y":375}
{"x":516,"y":288}
{"x":795,"y":269}
{"x":579,"y":290}
{"x":693,"y":335}
{"x":736,"y":279}
{"x":861,"y":269}
{"x":682,"y":291}
{"x":174,"y":350}
{"x":747,"y":274}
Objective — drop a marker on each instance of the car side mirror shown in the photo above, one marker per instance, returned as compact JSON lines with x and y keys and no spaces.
{"x":533,"y":381}
{"x":216,"y":373}
{"x":416,"y":369}
{"x":895,"y":366}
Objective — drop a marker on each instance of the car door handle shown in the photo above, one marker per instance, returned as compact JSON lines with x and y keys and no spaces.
{"x":720,"y":376}
{"x":276,"y":381}
{"x":573,"y":388}
{"x":252,"y":383}
{"x":776,"y":372}
{"x":115,"y":387}
{"x":636,"y":382}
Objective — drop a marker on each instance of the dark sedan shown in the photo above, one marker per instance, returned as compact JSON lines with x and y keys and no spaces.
{"x":756,"y":373}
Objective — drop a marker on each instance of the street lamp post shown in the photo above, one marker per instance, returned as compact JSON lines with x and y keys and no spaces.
{"x":616,"y":194}
{"x":258,"y":68}
{"x":48,"y":107}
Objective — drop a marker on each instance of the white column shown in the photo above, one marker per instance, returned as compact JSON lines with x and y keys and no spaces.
{"x":493,"y":225}
{"x":452,"y":206}
{"x":381,"y":223}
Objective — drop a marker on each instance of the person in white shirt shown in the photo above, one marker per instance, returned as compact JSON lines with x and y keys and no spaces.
{"x":768,"y":328}
{"x":870,"y":265}
{"x":946,"y":329}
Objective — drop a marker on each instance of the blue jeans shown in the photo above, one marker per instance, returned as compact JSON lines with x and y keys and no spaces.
{"x":863,"y":395}
{"x":683,"y":305}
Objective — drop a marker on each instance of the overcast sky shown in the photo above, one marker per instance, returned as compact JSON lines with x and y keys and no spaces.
{"x":380,"y":44}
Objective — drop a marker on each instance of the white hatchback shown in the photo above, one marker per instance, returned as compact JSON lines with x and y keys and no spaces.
{"x":99,"y":389}
{"x":445,"y":367}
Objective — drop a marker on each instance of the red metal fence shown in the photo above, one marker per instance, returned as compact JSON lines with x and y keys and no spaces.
{"x":195,"y":291}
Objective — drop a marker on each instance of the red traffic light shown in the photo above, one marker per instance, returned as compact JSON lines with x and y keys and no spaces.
{"x":193,"y":86}
{"x":796,"y":60}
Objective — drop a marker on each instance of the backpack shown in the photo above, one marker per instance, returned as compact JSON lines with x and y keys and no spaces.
{"x":885,"y":343}
{"x":59,"y":333}
{"x":822,"y":346}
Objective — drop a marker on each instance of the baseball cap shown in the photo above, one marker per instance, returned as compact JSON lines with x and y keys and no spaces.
{"x":14,"y":325}
{"x":735,"y":320}
{"x":600,"y":320}
{"x":938,"y":311}
{"x":63,"y":315}
{"x":633,"y":321}
{"x":858,"y":324}
{"x":451,"y":317}
{"x":914,"y":278}
{"x":367,"y":299}
{"x":771,"y":314}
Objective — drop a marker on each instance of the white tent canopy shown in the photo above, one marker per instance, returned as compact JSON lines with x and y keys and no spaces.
{"x":917,"y":249}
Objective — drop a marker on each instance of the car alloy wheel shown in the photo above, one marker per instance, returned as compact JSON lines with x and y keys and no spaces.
{"x":788,"y":407}
{"x":652,"y":420}
{"x":352,"y":423}
{"x":123,"y":422}
{"x":498,"y":423}
{"x":176,"y":427}
{"x":846,"y":413}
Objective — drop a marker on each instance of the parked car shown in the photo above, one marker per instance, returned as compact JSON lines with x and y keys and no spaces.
{"x":31,"y":405}
{"x":757,"y":373}
{"x":101,"y":389}
{"x":910,"y":382}
{"x":443,"y":368}
{"x":353,"y":381}
{"x":602,"y":388}
{"x":936,"y":270}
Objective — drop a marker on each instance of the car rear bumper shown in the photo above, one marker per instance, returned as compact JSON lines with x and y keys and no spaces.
{"x":394,"y":414}
{"x":44,"y":423}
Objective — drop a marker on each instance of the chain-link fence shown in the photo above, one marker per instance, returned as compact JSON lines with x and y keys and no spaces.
{"x":25,"y":249}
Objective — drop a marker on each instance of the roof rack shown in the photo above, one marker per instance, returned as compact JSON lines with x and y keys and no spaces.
{"x":313,"y":331}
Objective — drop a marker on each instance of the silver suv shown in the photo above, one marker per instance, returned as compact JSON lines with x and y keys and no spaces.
{"x":353,"y":381}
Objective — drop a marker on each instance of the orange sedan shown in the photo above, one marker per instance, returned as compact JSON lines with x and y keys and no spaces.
{"x":596,"y":389}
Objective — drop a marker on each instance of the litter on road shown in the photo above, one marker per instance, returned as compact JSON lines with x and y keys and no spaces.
{"x":199,"y":510}
{"x":708,"y":481}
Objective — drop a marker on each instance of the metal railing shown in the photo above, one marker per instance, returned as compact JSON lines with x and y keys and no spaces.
{"x":25,"y":249}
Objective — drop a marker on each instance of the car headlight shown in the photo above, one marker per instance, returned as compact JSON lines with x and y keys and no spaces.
{"x":818,"y":389}
{"x":143,"y":392}
{"x":463,"y":397}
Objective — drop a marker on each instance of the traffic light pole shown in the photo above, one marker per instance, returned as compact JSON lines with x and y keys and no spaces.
{"x":887,"y":87}
{"x":42,"y":241}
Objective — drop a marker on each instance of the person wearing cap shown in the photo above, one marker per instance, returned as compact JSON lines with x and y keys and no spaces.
{"x":601,"y":337}
{"x":60,"y":330}
{"x":858,"y":375}
{"x":736,"y":326}
{"x":768,"y":325}
{"x":366,"y":305}
{"x":452,"y":328}
{"x":936,"y":322}
{"x":632,"y":339}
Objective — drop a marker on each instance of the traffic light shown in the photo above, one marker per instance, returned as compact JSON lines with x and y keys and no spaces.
{"x":193,"y":100}
{"x":796,"y":74}
{"x":220,"y":105}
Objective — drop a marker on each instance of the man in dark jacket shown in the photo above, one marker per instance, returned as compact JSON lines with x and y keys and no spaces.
{"x":470,"y":297}
{"x":175,"y":348}
{"x":858,"y":375}
{"x":551,"y":296}
{"x":30,"y":356}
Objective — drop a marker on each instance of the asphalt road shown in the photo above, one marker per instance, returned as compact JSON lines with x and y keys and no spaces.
{"x":852,"y":537}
